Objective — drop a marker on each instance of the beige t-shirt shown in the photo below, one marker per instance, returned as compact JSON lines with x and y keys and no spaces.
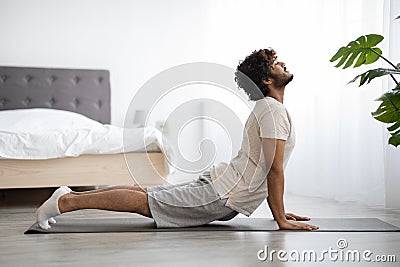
{"x":243,"y":181}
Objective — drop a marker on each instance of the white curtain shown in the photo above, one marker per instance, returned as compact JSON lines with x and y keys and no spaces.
{"x":392,"y":154}
{"x":340,"y":147}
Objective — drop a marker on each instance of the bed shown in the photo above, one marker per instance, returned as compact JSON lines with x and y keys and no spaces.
{"x":81,"y":91}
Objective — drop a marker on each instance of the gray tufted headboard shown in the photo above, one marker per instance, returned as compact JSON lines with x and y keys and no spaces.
{"x":82,"y":91}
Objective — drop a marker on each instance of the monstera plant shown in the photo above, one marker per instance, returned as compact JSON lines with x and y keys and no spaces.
{"x":363,"y":51}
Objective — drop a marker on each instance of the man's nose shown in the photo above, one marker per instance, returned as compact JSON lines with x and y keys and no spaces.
{"x":282,"y":64}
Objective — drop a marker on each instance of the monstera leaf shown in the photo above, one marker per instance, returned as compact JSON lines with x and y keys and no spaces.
{"x":362,"y":51}
{"x":389,"y":112}
{"x":368,"y":76}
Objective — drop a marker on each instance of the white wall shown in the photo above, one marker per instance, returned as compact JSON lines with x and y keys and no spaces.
{"x":133,"y":39}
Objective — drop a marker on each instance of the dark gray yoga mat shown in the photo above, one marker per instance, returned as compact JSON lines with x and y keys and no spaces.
{"x":108,"y":225}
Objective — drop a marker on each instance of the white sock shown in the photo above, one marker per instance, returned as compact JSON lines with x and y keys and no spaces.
{"x":66,"y":188}
{"x":52,"y":220}
{"x":49,"y":209}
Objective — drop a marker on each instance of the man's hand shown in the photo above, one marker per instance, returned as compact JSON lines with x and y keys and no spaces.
{"x":295,"y":225}
{"x":294,"y":217}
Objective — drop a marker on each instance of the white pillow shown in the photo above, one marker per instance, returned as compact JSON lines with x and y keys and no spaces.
{"x":43,"y":120}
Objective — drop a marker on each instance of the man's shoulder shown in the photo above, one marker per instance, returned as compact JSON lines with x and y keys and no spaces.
{"x":268,"y":105}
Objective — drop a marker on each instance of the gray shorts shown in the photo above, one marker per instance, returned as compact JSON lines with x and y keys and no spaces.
{"x":188,"y":204}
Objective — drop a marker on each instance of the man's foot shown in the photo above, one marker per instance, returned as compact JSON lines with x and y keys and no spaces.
{"x":49,"y":209}
{"x":52,"y":220}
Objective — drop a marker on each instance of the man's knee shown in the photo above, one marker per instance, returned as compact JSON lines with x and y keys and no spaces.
{"x":145,"y":206}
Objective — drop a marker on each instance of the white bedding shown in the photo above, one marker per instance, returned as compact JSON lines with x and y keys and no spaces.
{"x":49,"y":133}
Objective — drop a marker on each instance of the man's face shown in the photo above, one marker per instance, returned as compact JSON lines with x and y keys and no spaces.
{"x":280,"y":75}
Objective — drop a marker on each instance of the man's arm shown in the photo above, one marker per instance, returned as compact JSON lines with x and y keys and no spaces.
{"x":274,"y":153}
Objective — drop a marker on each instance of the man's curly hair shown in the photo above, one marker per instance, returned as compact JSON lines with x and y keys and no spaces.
{"x":253,"y":70}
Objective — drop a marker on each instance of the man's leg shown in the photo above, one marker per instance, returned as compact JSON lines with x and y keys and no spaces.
{"x":62,"y":200}
{"x":113,"y":199}
{"x":133,"y":188}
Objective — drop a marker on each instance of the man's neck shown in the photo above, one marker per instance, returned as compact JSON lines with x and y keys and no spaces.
{"x":278,"y":94}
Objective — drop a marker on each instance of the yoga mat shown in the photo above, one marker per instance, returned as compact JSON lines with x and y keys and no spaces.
{"x":107,"y":225}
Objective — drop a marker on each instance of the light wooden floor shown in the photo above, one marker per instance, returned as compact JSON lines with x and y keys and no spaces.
{"x":180,"y":248}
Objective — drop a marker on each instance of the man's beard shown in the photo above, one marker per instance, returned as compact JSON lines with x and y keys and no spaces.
{"x":288,"y":80}
{"x":282,"y":80}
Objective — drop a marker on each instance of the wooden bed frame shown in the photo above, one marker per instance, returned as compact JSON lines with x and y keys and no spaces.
{"x":82,"y":91}
{"x":85,"y":170}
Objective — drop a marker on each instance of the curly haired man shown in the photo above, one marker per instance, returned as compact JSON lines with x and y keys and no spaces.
{"x":240,"y":186}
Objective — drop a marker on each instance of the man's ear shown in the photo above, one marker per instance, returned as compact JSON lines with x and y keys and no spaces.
{"x":267,"y":81}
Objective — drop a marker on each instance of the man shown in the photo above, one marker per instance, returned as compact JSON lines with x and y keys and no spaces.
{"x":256,"y":173}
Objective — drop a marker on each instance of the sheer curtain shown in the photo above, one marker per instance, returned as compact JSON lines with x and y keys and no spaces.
{"x":339,"y":149}
{"x":392,"y":155}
